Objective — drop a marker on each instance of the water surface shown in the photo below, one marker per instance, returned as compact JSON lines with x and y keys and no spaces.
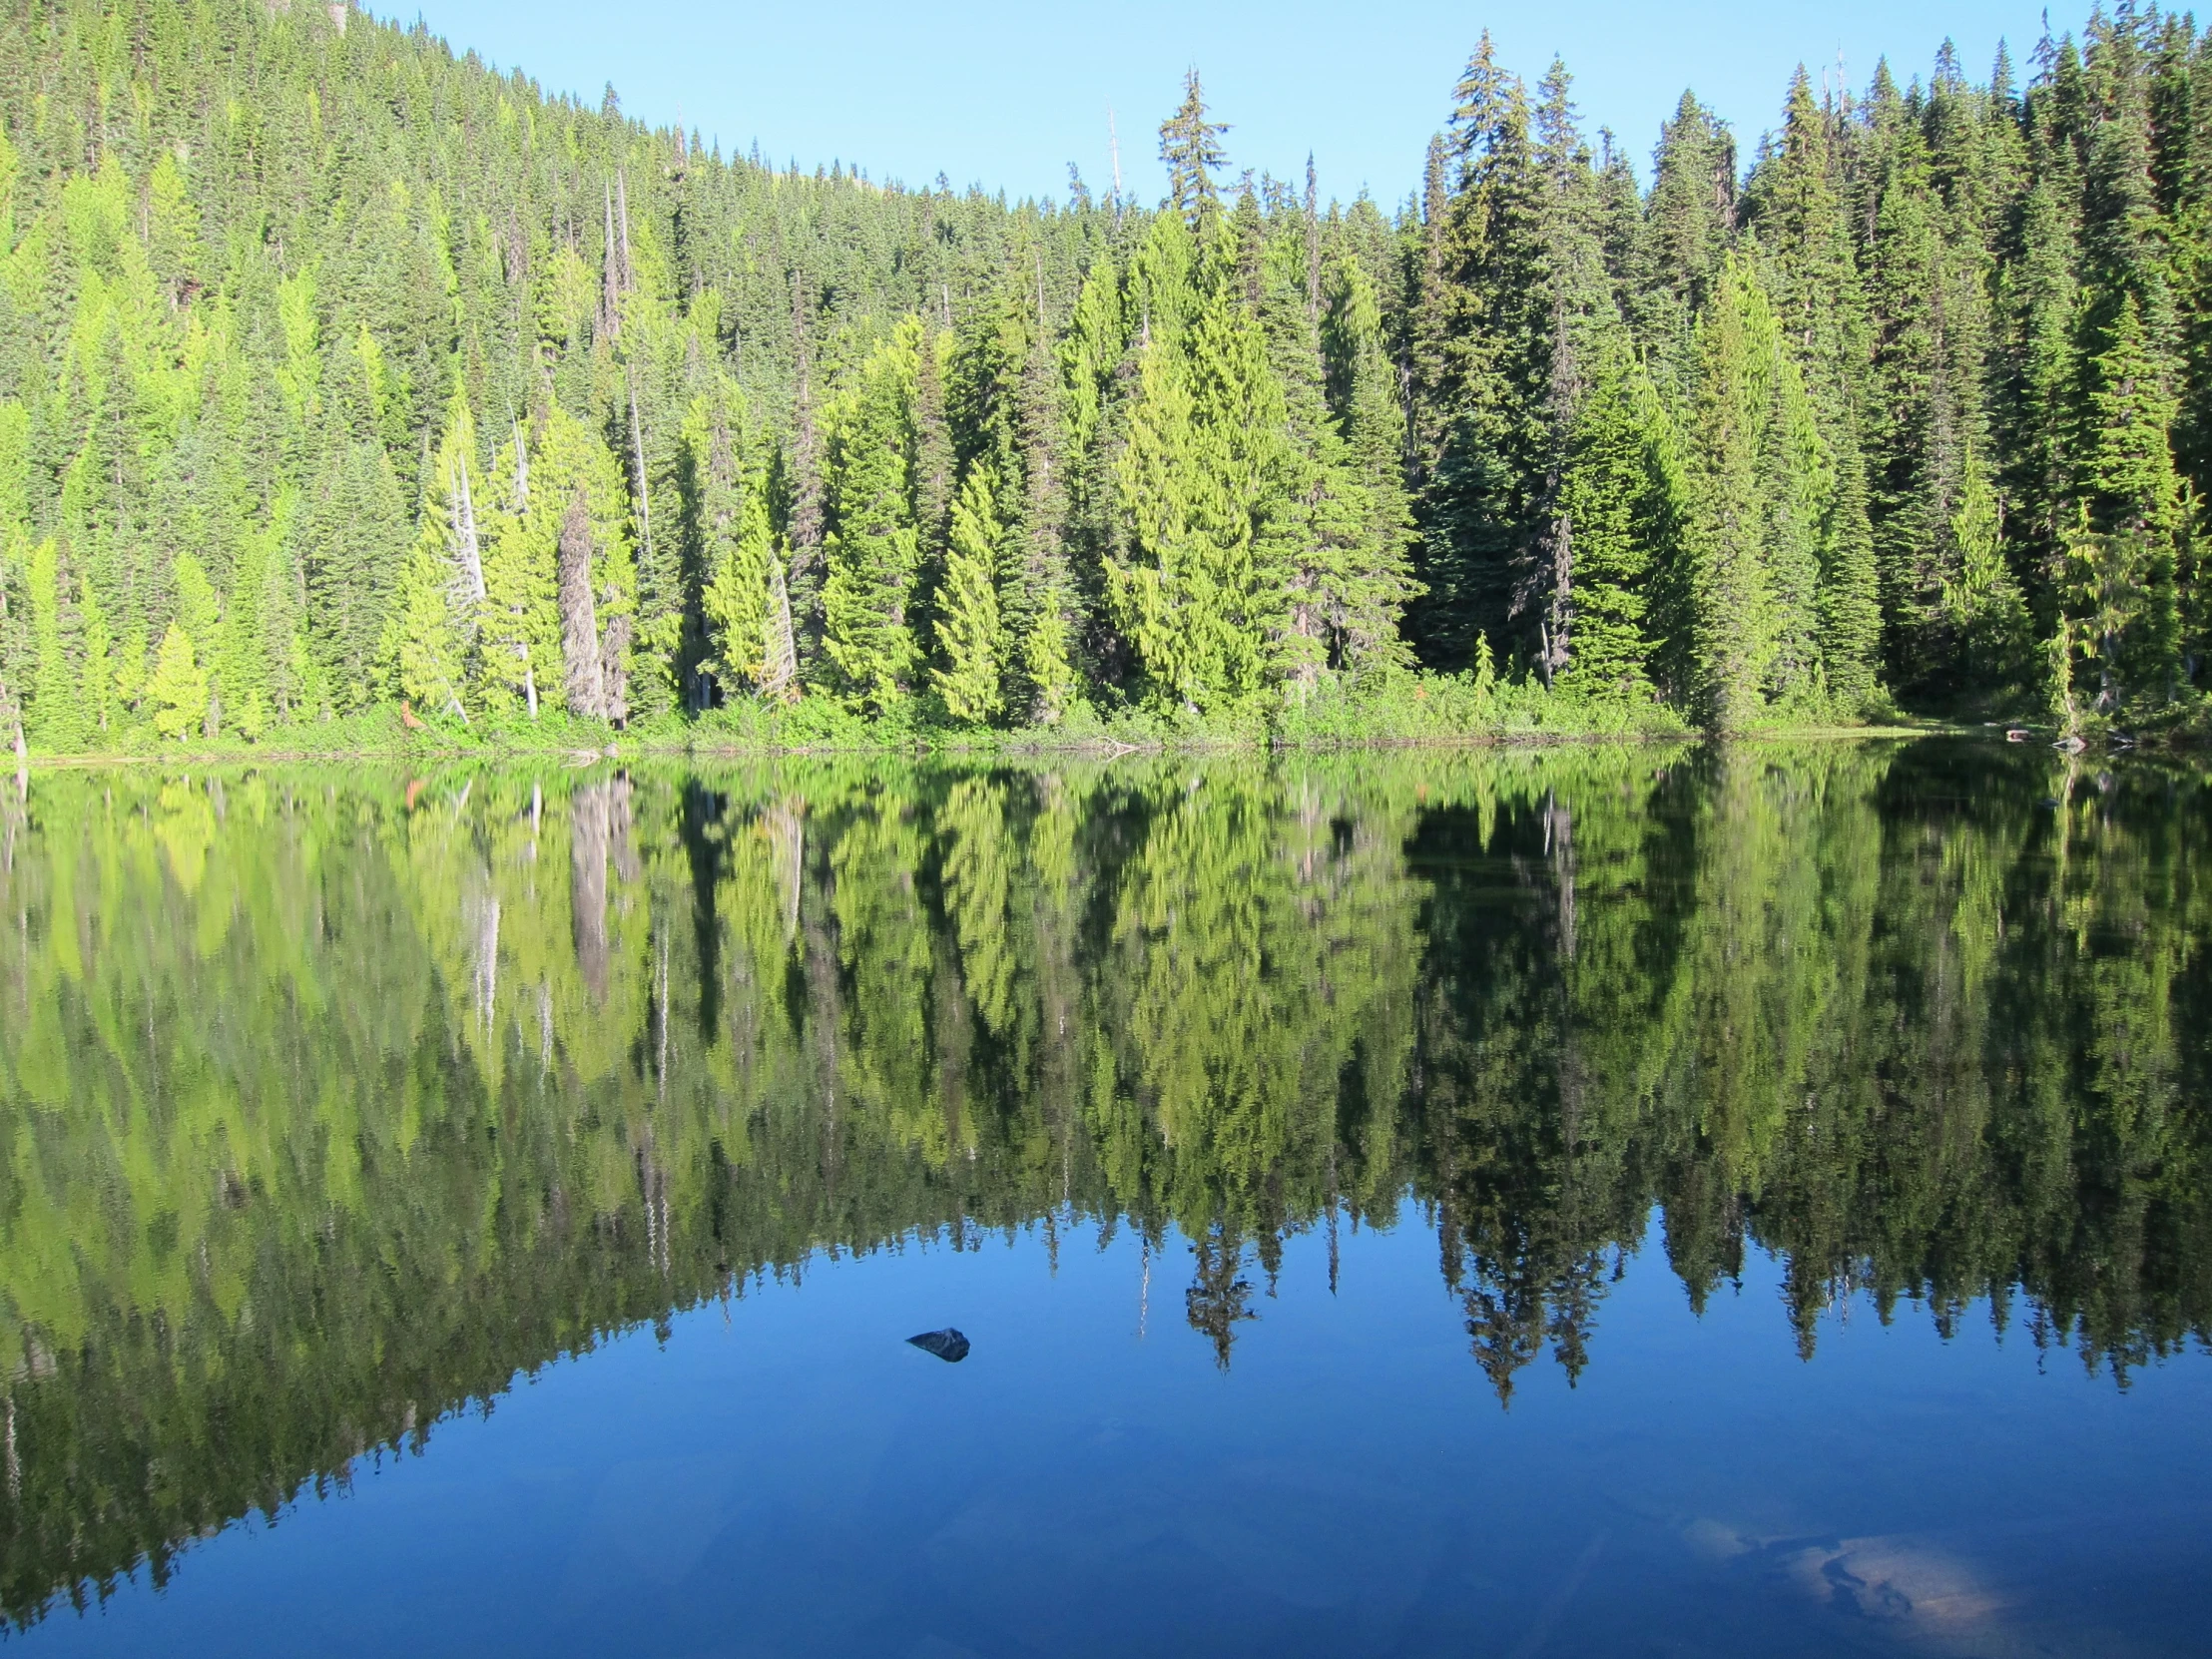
{"x":1582,"y":1201}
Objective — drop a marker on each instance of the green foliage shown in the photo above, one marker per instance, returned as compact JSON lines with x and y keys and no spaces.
{"x":874,"y":546}
{"x":971,"y":640}
{"x":426,"y":642}
{"x":1619,"y":508}
{"x":56,"y":715}
{"x":740,"y":600}
{"x":327,"y":310}
{"x":179,"y":687}
{"x":1984,"y":603}
{"x":1199,"y":606}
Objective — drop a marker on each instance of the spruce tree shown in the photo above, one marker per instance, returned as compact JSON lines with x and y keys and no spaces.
{"x":1198,"y":475}
{"x":425,"y":646}
{"x":178,"y":690}
{"x":1614,"y":501}
{"x":971,"y":638}
{"x":56,"y":715}
{"x":1730,"y":595}
{"x":872,"y":549}
{"x":1190,"y":145}
{"x":1689,"y":224}
{"x":743,"y":598}
{"x":1794,"y":210}
{"x":1483,"y":511}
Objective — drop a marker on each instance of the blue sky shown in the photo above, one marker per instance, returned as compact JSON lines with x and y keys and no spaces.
{"x":1007,"y":93}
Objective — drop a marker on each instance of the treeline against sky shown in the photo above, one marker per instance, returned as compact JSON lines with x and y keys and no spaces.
{"x":329,"y":1101}
{"x":335,"y":369}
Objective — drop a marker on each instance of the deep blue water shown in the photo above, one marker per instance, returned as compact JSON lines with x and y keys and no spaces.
{"x":490,"y":1224}
{"x":786,"y":1475}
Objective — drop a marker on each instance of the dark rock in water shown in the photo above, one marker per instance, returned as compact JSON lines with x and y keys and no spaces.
{"x":947,"y":1344}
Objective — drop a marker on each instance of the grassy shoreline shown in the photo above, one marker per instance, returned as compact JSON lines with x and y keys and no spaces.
{"x":399,"y":746}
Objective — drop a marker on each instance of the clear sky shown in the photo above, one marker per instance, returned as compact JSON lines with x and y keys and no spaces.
{"x":1007,"y":93}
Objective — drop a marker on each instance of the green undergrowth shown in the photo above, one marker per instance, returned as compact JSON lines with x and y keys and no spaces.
{"x":1406,"y":709}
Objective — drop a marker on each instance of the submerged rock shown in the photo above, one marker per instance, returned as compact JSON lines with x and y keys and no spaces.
{"x":947,"y":1344}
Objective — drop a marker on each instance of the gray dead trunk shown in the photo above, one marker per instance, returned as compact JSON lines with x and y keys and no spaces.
{"x":779,"y":662}
{"x":582,"y":680}
{"x":464,"y":526}
{"x":614,"y":671}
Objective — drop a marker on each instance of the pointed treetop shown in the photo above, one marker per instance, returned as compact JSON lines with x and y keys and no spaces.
{"x":1555,"y":126}
{"x":1482,"y":104}
{"x":1435,"y":190}
{"x":1191,"y":145}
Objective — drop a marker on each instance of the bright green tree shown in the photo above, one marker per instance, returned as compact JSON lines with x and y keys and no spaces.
{"x":874,"y":546}
{"x":971,"y":637}
{"x":179,"y":687}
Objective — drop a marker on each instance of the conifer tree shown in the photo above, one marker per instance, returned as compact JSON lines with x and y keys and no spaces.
{"x":2129,"y":475}
{"x":558,"y":574}
{"x":711,"y":496}
{"x":1361,"y":387}
{"x":935,"y":462}
{"x":742,"y":599}
{"x":1730,"y":595}
{"x":425,"y":645}
{"x":1040,"y":596}
{"x":1191,"y":147}
{"x":1985,"y":604}
{"x":1615,"y":500}
{"x":1794,"y":207}
{"x":57,"y":711}
{"x":1980,"y":395}
{"x":971,"y":638}
{"x":1689,"y":224}
{"x":1205,"y":427}
{"x":1483,"y":511}
{"x":178,"y":690}
{"x":872,"y":549}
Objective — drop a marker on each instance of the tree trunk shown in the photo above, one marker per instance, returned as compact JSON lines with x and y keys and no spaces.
{"x":614,"y":674}
{"x":582,"y":679}
{"x":10,"y":708}
{"x":637,"y":451}
{"x":779,"y":664}
{"x":610,"y":291}
{"x":464,"y":524}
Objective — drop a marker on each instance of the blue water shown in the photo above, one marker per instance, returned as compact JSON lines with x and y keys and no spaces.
{"x":782,"y":1474}
{"x":484,"y":1213}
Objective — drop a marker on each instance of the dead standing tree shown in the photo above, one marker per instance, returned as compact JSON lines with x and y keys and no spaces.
{"x":584,"y":681}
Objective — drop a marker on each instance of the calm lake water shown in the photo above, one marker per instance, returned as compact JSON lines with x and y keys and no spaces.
{"x":1585,"y":1201}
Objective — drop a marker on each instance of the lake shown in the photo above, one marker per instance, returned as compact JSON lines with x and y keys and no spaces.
{"x":1571,"y":1201}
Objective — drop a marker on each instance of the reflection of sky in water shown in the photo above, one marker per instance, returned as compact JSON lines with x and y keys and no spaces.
{"x":327,"y":1102}
{"x":788,"y":1476}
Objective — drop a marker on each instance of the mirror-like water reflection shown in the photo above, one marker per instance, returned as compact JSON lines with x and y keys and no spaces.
{"x":332,"y":1100}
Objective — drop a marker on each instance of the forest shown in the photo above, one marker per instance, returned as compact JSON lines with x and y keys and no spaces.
{"x":341,"y":375}
{"x":334,"y":1100}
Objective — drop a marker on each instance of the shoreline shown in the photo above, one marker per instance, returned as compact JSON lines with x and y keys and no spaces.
{"x":1087,"y":748}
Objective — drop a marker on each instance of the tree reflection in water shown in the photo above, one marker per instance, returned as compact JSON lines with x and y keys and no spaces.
{"x":331,"y":1101}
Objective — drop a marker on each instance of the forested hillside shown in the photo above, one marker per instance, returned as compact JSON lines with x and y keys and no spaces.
{"x":336,"y":370}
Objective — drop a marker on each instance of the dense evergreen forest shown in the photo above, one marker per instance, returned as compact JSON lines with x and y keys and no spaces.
{"x":331,"y":1100}
{"x":335,"y":370}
